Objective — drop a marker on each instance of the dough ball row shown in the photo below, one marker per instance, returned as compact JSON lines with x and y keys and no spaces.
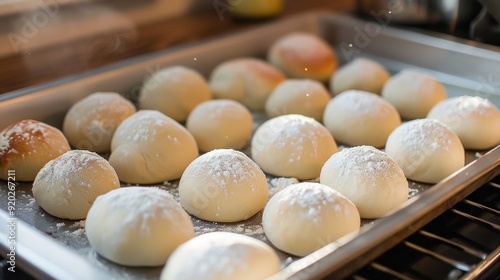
{"x":178,"y":118}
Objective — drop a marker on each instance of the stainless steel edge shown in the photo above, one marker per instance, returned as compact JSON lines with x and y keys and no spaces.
{"x":342,"y":258}
{"x":44,"y":257}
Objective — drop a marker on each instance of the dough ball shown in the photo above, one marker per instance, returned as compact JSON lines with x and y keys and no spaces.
{"x":249,"y":81}
{"x":137,"y":226}
{"x":303,"y":56}
{"x":174,"y":91}
{"x":304,"y":217}
{"x":475,"y":120}
{"x":67,"y":186}
{"x":92,"y":121}
{"x":26,"y":146}
{"x":223,"y":186}
{"x":304,"y":97}
{"x":292,"y":146}
{"x":219,"y":124}
{"x":367,"y":177}
{"x":222,"y":256}
{"x":427,"y":150}
{"x":359,"y":74}
{"x":413,"y":93}
{"x":360,"y":118}
{"x":149,"y":147}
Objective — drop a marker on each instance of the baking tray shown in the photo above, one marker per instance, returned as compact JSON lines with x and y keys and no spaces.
{"x":59,"y":248}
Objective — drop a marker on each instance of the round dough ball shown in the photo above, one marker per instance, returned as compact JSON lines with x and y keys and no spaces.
{"x":26,"y":146}
{"x":304,"y":217}
{"x":359,"y":74}
{"x":223,"y":186}
{"x":67,"y":186}
{"x":292,"y":146}
{"x":475,"y":120}
{"x":304,"y":97}
{"x":222,"y":256}
{"x":174,"y":91}
{"x":303,"y":56}
{"x":427,"y":150}
{"x":367,"y":177}
{"x":413,"y":93}
{"x":137,"y":226}
{"x":92,"y":121}
{"x":360,"y":118}
{"x":220,"y":124}
{"x":249,"y":81}
{"x":149,"y":147}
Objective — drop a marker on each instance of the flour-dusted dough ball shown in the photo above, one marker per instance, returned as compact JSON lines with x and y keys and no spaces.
{"x":369,"y":178}
{"x":426,"y":149}
{"x":149,"y":147}
{"x":303,"y":56}
{"x":223,"y":186}
{"x":475,"y":120}
{"x":305,"y":97}
{"x":92,"y":121}
{"x":304,"y":217}
{"x":292,"y":146}
{"x":137,"y":226}
{"x":360,"y":118}
{"x":413,"y":93}
{"x":220,"y":124}
{"x":222,"y":256}
{"x":26,"y":146}
{"x":174,"y":91}
{"x":67,"y":186}
{"x":359,"y":74}
{"x":249,"y":81}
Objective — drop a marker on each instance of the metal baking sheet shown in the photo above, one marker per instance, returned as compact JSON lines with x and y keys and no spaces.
{"x":60,"y":248}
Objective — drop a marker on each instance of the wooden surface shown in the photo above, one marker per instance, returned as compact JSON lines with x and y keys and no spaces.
{"x":38,"y":67}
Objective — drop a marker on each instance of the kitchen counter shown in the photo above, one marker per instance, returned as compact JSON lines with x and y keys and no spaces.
{"x":28,"y":68}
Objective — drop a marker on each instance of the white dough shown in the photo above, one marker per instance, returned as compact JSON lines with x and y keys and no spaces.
{"x":360,"y":118}
{"x":360,"y":74}
{"x":426,"y":150}
{"x":292,"y":146}
{"x":67,"y":186}
{"x":294,"y":96}
{"x":137,"y":226}
{"x":246,"y":80}
{"x":475,"y":120}
{"x":369,"y":178}
{"x":174,"y":91}
{"x":26,"y":146}
{"x":222,"y":256}
{"x":223,"y":186}
{"x":304,"y":217}
{"x":413,"y":93}
{"x":220,"y":124}
{"x":92,"y":121}
{"x":149,"y":147}
{"x":303,"y":55}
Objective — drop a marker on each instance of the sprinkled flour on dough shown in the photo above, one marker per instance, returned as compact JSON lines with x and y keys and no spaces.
{"x":428,"y":133}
